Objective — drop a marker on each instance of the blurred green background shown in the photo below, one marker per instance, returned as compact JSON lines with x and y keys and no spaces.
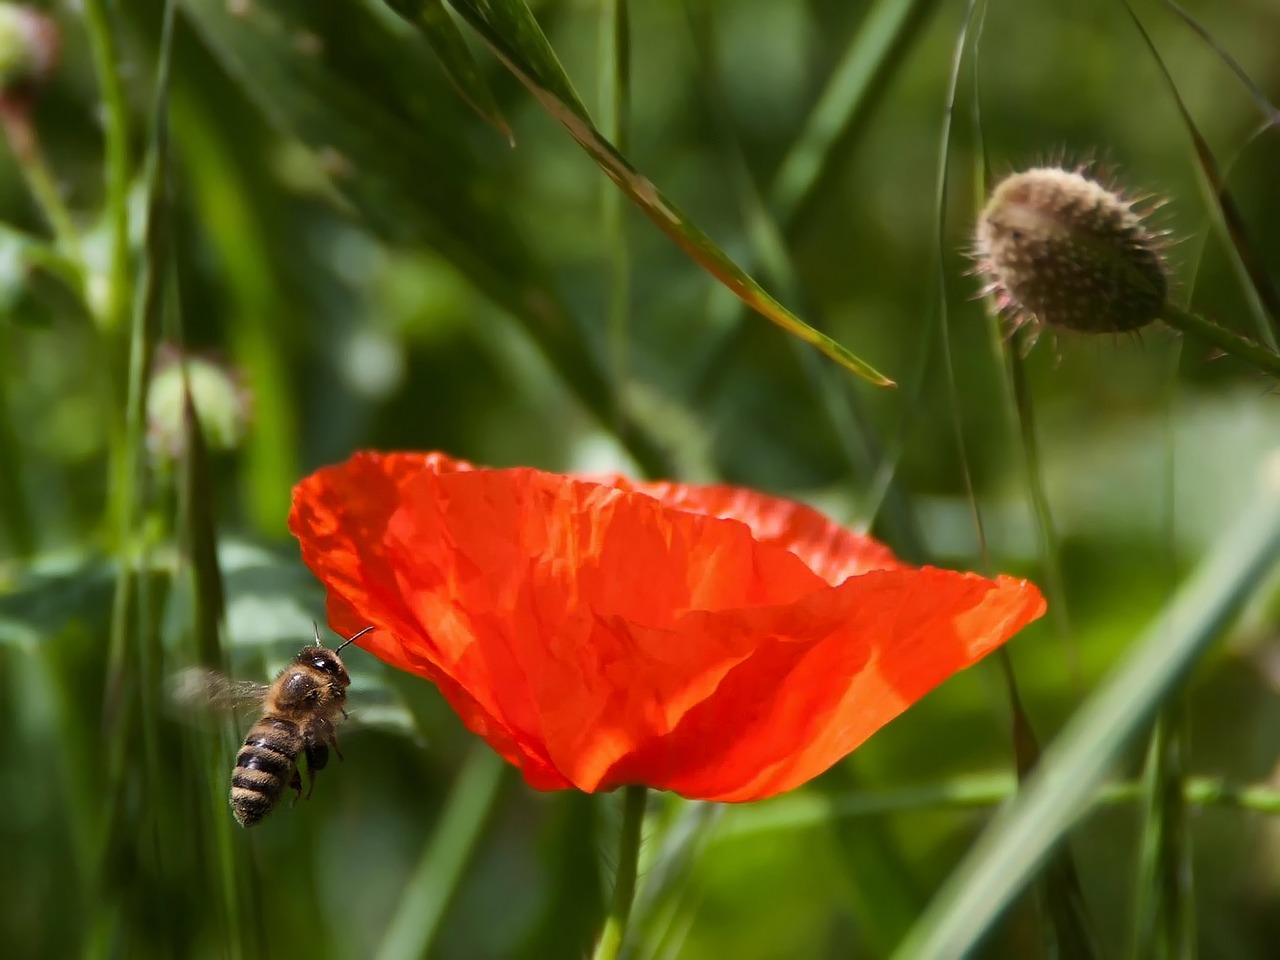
{"x":381,"y":267}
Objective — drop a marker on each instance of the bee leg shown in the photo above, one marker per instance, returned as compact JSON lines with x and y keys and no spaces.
{"x":330,"y":736}
{"x":317,"y":759}
{"x":295,"y":784}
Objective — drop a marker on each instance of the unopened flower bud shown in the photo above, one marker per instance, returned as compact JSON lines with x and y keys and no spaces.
{"x":28,"y":53}
{"x":1060,"y":249}
{"x":221,"y":404}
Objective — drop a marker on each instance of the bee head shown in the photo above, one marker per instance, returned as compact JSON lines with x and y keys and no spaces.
{"x":325,"y":660}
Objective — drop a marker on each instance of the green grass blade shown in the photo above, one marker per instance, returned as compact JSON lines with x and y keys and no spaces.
{"x":523,"y":50}
{"x":880,"y":47}
{"x":941,"y":189}
{"x":118,"y":165}
{"x":1164,"y":914}
{"x":574,"y":903}
{"x":615,"y":100}
{"x":434,"y":22}
{"x":239,"y":239}
{"x":851,"y":94}
{"x":509,"y":28}
{"x":1263,"y":295}
{"x":199,"y":537}
{"x":1023,"y":416}
{"x":804,"y":811}
{"x":133,"y":683}
{"x":768,"y":247}
{"x":1060,"y":893}
{"x":1256,"y":93}
{"x":17,"y":524}
{"x":435,"y":880}
{"x":858,"y":444}
{"x":404,"y":162}
{"x":1024,"y":834}
{"x":885,"y":891}
{"x":680,"y":838}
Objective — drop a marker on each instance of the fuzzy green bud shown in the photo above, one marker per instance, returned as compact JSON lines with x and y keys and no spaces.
{"x":220,"y":401}
{"x":29,"y":44}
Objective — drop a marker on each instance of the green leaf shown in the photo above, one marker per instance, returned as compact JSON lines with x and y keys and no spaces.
{"x":513,"y":35}
{"x":1164,"y":903}
{"x":889,"y":29}
{"x":523,"y":48}
{"x":1263,"y":295}
{"x":38,"y":599}
{"x":431,"y":17}
{"x":355,"y":93}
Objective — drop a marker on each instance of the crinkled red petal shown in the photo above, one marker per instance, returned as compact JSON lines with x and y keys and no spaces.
{"x":708,"y":640}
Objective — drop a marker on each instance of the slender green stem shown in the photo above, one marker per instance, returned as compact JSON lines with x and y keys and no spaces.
{"x":1037,"y":493}
{"x":25,"y":144}
{"x":615,"y":96}
{"x":624,"y":886}
{"x":113,"y":310}
{"x":64,"y":267}
{"x":444,"y":859}
{"x":17,"y":510}
{"x":803,"y":811}
{"x":1164,"y":911}
{"x":1242,"y":348}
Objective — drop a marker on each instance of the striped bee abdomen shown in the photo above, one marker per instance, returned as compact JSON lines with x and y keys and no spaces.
{"x":265,"y":765}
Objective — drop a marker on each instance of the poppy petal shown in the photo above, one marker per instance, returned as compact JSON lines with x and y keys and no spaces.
{"x":830,"y":550}
{"x":713,"y":641}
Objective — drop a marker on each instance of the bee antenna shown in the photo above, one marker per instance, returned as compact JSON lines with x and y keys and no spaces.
{"x":316,"y":627}
{"x":353,"y":638}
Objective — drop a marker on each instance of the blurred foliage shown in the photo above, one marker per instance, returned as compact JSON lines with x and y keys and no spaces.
{"x":381,"y":267}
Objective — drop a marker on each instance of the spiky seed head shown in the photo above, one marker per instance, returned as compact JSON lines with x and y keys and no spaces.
{"x":1063,"y":250}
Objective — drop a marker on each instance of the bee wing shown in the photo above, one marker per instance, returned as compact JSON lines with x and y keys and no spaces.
{"x":202,"y":690}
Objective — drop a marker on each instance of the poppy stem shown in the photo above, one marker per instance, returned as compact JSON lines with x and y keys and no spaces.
{"x":624,"y":885}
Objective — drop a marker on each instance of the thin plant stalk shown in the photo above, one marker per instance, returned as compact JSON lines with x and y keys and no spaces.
{"x":451,"y":847}
{"x":972,"y":792}
{"x":615,"y":98}
{"x":106,"y":62}
{"x":624,"y":887}
{"x":1242,"y":348}
{"x":25,"y":144}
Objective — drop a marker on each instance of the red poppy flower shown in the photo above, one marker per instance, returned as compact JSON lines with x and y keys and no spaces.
{"x":597,"y":632}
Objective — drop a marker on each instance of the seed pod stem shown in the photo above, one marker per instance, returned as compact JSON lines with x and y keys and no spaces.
{"x":1242,"y":348}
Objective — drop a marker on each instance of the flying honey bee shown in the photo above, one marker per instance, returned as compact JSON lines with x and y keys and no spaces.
{"x":300,"y":709}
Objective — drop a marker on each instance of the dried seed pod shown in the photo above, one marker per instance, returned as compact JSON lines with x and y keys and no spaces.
{"x":1062,"y":250}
